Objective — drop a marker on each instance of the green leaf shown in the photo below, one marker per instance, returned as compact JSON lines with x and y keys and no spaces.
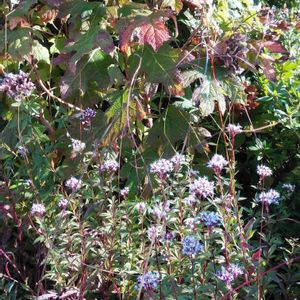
{"x":91,"y":68}
{"x":19,"y":43}
{"x":40,"y":53}
{"x":159,"y":67}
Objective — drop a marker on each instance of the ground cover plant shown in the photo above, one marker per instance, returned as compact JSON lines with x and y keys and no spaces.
{"x":149,"y":149}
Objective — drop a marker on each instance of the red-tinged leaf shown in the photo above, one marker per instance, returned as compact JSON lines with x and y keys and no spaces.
{"x":196,"y":3}
{"x":256,"y":255}
{"x":274,"y":46}
{"x":269,"y":71}
{"x":18,"y":22}
{"x":144,"y":30}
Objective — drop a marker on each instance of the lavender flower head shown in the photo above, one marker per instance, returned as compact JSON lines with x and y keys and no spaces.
{"x":190,"y":200}
{"x":109,"y":166}
{"x":269,"y":197}
{"x":161,"y":167}
{"x":63,"y":203}
{"x":210,"y":218}
{"x":217,"y":163}
{"x":178,"y":160}
{"x":233,"y":129}
{"x":192,"y":223}
{"x":149,"y":283}
{"x":263,"y":171}
{"x":141,"y":207}
{"x":38,"y":210}
{"x":73,"y":183}
{"x":289,"y":187}
{"x":154,"y":232}
{"x":87,"y":115}
{"x":191,"y":246}
{"x":77,"y":146}
{"x":202,"y":187}
{"x":232,"y":272}
{"x":22,"y":151}
{"x":124,"y":192}
{"x":16,"y":86}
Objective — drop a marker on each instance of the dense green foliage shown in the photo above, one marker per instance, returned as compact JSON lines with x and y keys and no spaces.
{"x":109,"y":89}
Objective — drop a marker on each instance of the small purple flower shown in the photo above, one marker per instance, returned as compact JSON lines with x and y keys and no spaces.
{"x":190,"y":200}
{"x":192,"y":223}
{"x":77,"y":146}
{"x":149,"y":282}
{"x":232,"y":272}
{"x":169,"y":236}
{"x":289,"y":187}
{"x":17,"y":86}
{"x":159,"y":212}
{"x":87,"y":115}
{"x":263,"y":171}
{"x":38,"y":210}
{"x":269,"y":197}
{"x":141,"y":207}
{"x":154,"y":232}
{"x":124,"y":192}
{"x":202,"y":187}
{"x":178,"y":160}
{"x":109,"y":166}
{"x":63,"y":203}
{"x":217,"y":163}
{"x":22,"y":151}
{"x":73,"y":183}
{"x":191,"y":246}
{"x":233,"y":129}
{"x":161,"y":167}
{"x":210,"y":218}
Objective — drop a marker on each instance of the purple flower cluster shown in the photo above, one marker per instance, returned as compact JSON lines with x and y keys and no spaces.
{"x":191,"y":246}
{"x":263,"y":171}
{"x":63,"y":203}
{"x":161,"y":167}
{"x":124,"y":192}
{"x":269,"y":197}
{"x":217,"y":163}
{"x":232,"y":272}
{"x":202,"y":187}
{"x":210,"y":218}
{"x":149,"y":282}
{"x":73,"y":183}
{"x":87,"y":115}
{"x":141,"y":207}
{"x":22,"y":151}
{"x":178,"y":160}
{"x":233,"y":129}
{"x":289,"y":187}
{"x":154,"y":232}
{"x":160,"y":211}
{"x":109,"y":166}
{"x":190,"y":200}
{"x":16,"y":86}
{"x":38,"y":210}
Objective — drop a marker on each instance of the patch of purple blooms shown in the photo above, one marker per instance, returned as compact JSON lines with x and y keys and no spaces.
{"x":191,"y":246}
{"x":38,"y":210}
{"x":109,"y":166}
{"x":161,"y":167}
{"x":149,"y":282}
{"x":269,"y":197}
{"x":217,"y":163}
{"x":190,"y":200}
{"x":263,"y":171}
{"x":63,"y":203}
{"x":124,"y":192}
{"x":87,"y":115}
{"x":16,"y":86}
{"x":233,"y":129}
{"x":289,"y":187}
{"x":210,"y":218}
{"x":178,"y":160}
{"x":22,"y":151}
{"x":73,"y":183}
{"x":141,"y":207}
{"x":232,"y":272}
{"x":202,"y":187}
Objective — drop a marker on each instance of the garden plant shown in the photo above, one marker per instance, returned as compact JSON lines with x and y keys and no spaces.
{"x":149,"y":149}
